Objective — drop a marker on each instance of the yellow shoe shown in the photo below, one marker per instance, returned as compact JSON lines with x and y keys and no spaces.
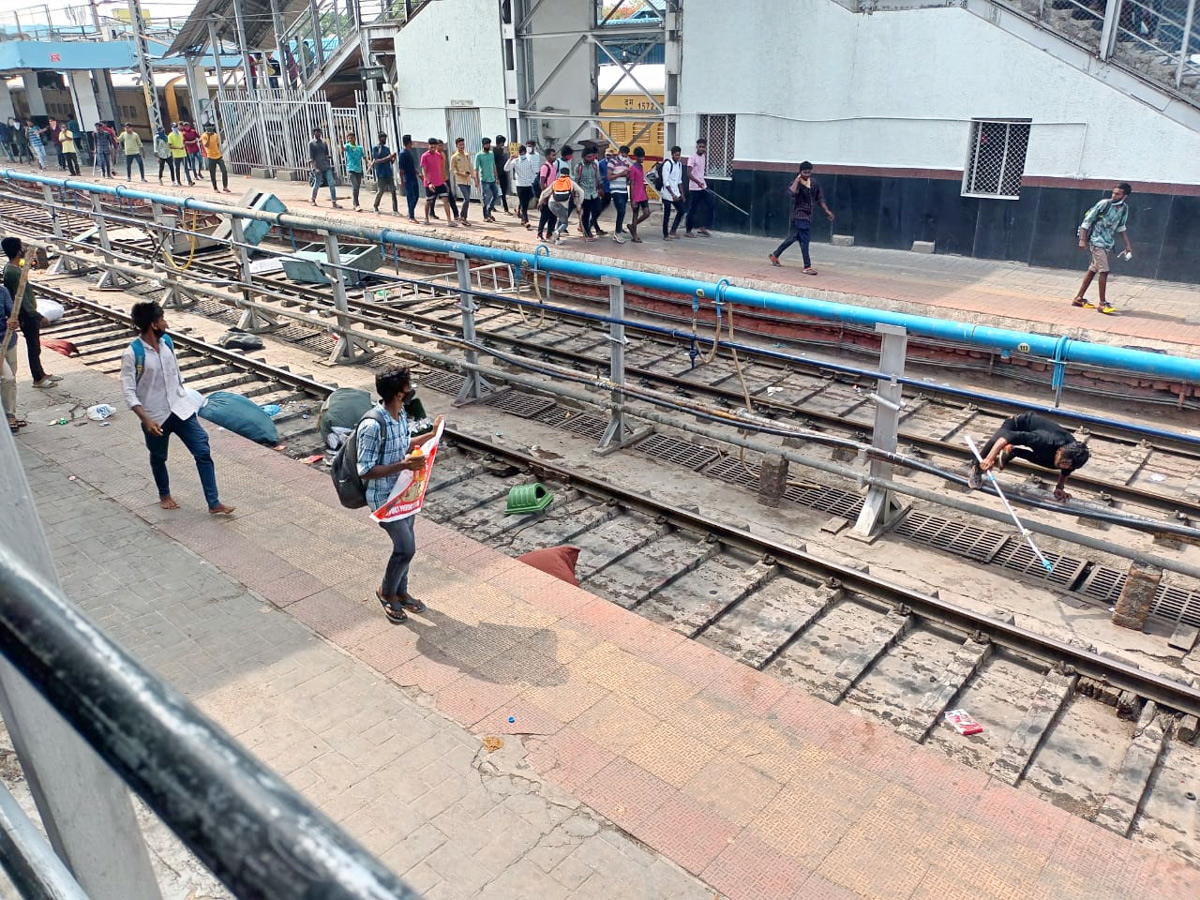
{"x":1107,"y":309}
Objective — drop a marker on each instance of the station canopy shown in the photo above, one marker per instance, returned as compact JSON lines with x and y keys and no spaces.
{"x":256,"y":14}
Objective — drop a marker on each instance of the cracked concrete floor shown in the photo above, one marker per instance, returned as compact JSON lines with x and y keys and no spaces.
{"x":454,"y":814}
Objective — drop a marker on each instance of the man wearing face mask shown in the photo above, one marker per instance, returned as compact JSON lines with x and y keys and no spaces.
{"x":153,"y":388}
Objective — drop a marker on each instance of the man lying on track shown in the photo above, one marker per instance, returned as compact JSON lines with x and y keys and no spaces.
{"x":1038,"y":439}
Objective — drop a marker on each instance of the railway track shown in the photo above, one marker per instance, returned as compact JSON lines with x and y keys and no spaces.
{"x":816,"y":399}
{"x":1129,"y":471}
{"x":1093,"y":735}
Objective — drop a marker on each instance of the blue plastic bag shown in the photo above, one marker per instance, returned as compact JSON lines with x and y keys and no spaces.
{"x":241,"y":415}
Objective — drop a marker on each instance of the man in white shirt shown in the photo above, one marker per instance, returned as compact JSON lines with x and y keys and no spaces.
{"x":672,"y":192}
{"x":524,"y":169}
{"x":153,"y":388}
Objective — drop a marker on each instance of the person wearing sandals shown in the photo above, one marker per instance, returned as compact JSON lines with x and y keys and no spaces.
{"x":639,"y":198}
{"x":806,"y":195}
{"x":29,"y":319}
{"x":384,"y":451}
{"x":8,"y":360}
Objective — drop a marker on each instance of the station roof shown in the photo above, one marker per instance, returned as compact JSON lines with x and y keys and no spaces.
{"x":255,"y":13}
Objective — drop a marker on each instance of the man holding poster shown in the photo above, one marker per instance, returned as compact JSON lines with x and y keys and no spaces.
{"x":395,"y":468}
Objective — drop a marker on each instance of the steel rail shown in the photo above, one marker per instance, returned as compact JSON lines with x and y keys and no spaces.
{"x":1166,"y":692}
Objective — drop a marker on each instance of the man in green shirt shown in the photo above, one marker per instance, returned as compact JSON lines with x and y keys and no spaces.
{"x":485,"y":168}
{"x":28,"y":318}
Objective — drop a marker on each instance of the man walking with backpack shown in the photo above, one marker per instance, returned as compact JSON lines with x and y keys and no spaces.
{"x":383,"y":449}
{"x":557,"y":198}
{"x":1098,"y":234}
{"x":670,"y":189}
{"x":154,"y":390}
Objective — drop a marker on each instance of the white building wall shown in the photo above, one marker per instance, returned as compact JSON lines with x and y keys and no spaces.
{"x":451,"y":55}
{"x":809,"y":79}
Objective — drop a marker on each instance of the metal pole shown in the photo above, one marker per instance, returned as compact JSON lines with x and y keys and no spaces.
{"x":348,"y":349}
{"x":109,"y":278}
{"x":83,"y":805}
{"x":880,"y":508}
{"x":145,"y":71}
{"x":29,"y":861}
{"x":1185,"y":41}
{"x":618,"y":433}
{"x":252,"y":90}
{"x":1110,"y":28}
{"x":474,"y":385}
{"x":215,"y":45}
{"x":253,"y":320}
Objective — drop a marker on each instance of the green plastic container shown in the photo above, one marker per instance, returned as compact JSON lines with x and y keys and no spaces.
{"x":527,"y":498}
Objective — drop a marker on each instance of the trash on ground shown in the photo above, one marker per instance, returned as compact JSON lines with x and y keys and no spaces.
{"x":70,"y":478}
{"x":962,"y":722}
{"x":50,"y":310}
{"x":492,"y":744}
{"x":271,"y":409}
{"x":240,"y":340}
{"x":100,"y":412}
{"x":315,"y":458}
{"x":1154,"y":476}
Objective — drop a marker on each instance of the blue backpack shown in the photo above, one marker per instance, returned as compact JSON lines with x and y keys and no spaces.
{"x":139,"y":356}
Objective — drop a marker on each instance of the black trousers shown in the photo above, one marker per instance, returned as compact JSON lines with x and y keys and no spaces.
{"x":31,"y":327}
{"x":679,"y":206}
{"x":524,"y":197}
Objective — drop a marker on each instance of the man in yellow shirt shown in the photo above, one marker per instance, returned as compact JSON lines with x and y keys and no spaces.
{"x":211,"y":143}
{"x":178,"y":154}
{"x":67,"y":142}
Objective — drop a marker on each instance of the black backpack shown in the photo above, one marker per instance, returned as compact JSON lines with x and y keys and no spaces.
{"x":654,"y":176}
{"x":351,"y":491}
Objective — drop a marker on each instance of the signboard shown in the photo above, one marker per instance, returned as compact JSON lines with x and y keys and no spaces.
{"x":372,"y":73}
{"x":408,"y":496}
{"x":462,"y":103}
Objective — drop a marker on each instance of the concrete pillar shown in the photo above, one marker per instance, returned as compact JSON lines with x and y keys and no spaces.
{"x":772,"y":480}
{"x":106,"y":98}
{"x":33,"y":95}
{"x":200,"y":98}
{"x":1137,"y":597}
{"x":87,"y":109}
{"x":6,"y":104}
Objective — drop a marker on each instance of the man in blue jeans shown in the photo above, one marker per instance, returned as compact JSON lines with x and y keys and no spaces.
{"x":806,"y":194}
{"x":153,"y":388}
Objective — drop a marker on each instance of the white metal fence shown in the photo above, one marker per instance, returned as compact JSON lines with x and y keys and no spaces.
{"x":273,"y":130}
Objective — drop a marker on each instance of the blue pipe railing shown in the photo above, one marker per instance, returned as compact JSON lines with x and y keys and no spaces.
{"x":1059,"y":350}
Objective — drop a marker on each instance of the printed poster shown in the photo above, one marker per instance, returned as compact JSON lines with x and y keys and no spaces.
{"x":408,"y":496}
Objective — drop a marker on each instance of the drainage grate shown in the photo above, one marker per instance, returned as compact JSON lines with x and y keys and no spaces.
{"x":295,"y":333}
{"x":442,"y":382}
{"x":1016,"y":555}
{"x":1103,"y":584}
{"x":587,"y":425}
{"x":1176,"y":605}
{"x":211,"y":309}
{"x":527,"y":406}
{"x":669,"y":449}
{"x":734,"y":471}
{"x":321,"y":343}
{"x":956,"y":537}
{"x":825,"y":499}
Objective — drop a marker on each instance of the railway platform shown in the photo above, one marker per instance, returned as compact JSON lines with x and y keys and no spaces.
{"x":523,"y":737}
{"x":1159,"y":314}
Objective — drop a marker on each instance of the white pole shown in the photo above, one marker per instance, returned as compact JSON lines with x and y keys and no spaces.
{"x":1025,"y":533}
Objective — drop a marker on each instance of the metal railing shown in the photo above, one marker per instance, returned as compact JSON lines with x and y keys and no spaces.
{"x":1158,"y":40}
{"x":253,"y":831}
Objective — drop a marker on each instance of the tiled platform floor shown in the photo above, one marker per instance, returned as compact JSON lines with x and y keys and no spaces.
{"x":758,"y":789}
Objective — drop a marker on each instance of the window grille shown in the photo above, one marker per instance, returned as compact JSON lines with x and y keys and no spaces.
{"x":719,"y":132}
{"x":996,"y":158}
